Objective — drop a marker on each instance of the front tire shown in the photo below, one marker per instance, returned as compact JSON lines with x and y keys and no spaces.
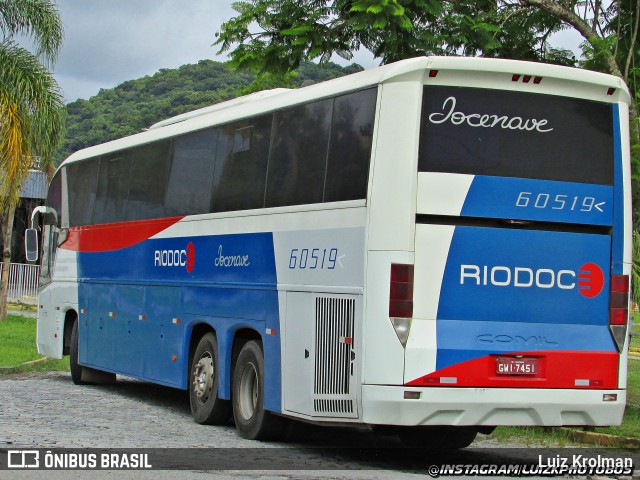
{"x":76,"y":369}
{"x":252,"y":420}
{"x":206,"y":407}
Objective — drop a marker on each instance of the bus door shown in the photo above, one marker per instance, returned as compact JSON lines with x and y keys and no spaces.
{"x":518,"y":244}
{"x":47,"y":245}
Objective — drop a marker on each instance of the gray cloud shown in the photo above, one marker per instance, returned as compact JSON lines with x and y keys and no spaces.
{"x":108,"y":42}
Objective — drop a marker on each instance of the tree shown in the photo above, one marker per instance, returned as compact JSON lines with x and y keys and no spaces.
{"x":275,"y":36}
{"x":31,"y":105}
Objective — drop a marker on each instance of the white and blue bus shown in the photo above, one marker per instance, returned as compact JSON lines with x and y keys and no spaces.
{"x":433,"y":247}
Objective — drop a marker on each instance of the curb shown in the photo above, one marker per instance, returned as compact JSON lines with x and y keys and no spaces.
{"x":601,"y":439}
{"x":30,"y":362}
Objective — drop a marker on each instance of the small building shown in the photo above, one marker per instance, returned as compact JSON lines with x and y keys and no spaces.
{"x":33,"y":194}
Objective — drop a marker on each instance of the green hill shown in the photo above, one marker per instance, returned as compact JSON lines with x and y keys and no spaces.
{"x":136,"y":104}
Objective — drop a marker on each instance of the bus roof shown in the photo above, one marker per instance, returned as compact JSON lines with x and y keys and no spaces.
{"x":276,"y":99}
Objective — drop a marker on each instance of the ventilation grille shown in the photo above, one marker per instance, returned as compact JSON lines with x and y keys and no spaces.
{"x":334,"y":350}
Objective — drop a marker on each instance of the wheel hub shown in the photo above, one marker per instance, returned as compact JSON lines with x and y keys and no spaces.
{"x":249,"y":390}
{"x":203,"y":378}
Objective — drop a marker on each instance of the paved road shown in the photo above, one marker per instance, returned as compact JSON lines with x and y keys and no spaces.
{"x":48,"y":411}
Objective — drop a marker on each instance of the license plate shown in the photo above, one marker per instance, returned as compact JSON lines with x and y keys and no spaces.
{"x":517,"y":366}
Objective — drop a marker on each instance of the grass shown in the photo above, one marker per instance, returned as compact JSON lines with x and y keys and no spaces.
{"x":18,"y":346}
{"x":559,"y":437}
{"x":532,"y":436}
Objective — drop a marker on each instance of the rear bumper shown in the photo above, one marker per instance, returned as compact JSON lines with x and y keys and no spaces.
{"x":386,"y":405}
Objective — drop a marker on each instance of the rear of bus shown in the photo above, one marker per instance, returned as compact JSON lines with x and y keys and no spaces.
{"x":515,"y":297}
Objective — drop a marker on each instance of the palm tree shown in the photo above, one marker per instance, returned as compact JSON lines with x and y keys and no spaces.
{"x":31,"y":104}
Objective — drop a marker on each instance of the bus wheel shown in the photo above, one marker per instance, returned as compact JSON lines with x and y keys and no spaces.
{"x":252,"y":421}
{"x":437,"y":437}
{"x":76,"y":370}
{"x":206,"y":407}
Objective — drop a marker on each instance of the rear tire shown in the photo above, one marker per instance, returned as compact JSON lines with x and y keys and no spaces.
{"x":252,"y":420}
{"x":206,"y":407}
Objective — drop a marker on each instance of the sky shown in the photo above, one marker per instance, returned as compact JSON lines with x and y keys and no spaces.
{"x":110,"y":41}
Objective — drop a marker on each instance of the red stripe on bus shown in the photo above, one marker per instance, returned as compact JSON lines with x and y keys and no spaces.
{"x":558,"y":369}
{"x":114,"y":236}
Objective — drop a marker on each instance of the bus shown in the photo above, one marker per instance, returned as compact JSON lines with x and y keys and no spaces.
{"x":431,"y":248}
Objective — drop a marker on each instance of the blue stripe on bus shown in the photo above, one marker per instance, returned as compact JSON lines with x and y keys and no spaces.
{"x":522,"y":283}
{"x":539,"y":200}
{"x":460,"y":340}
{"x":617,"y":247}
{"x":230,"y":284}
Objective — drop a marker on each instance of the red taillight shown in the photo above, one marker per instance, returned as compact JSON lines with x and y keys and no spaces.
{"x":401,"y":291}
{"x":619,"y":300}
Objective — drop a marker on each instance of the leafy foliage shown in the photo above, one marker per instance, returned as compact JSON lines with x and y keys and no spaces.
{"x":275,"y":36}
{"x":136,"y":104}
{"x":31,"y":105}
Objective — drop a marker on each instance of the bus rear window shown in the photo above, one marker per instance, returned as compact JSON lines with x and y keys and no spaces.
{"x":513,"y":134}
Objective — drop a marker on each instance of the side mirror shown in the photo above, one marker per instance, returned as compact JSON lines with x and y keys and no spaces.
{"x":31,"y":244}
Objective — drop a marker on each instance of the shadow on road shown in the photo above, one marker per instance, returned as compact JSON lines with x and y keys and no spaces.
{"x":312,"y":447}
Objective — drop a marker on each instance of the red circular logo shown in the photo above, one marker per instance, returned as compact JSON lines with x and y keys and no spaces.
{"x":191,"y":257}
{"x":590,"y":280}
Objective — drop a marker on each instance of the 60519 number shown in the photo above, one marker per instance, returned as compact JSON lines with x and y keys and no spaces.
{"x":559,"y":202}
{"x":314,"y":258}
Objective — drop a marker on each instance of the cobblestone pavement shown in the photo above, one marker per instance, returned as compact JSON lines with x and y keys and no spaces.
{"x":46,"y":410}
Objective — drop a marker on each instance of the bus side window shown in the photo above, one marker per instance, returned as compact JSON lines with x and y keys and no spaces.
{"x":191,"y":177}
{"x":149,"y":172}
{"x":82,"y":178}
{"x":113,"y":188}
{"x":299,"y":154}
{"x":241,"y":164}
{"x":350,"y":150}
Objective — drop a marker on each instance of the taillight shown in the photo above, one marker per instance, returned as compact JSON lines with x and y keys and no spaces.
{"x":401,"y":291}
{"x":401,"y":300}
{"x":619,"y":309}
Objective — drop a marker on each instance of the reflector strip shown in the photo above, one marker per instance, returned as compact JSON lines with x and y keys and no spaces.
{"x":176,"y":321}
{"x":83,"y":311}
{"x":142,"y":317}
{"x":112,"y":314}
{"x":448,"y":380}
{"x":581,"y":383}
{"x":346,"y":340}
{"x":271,"y":331}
